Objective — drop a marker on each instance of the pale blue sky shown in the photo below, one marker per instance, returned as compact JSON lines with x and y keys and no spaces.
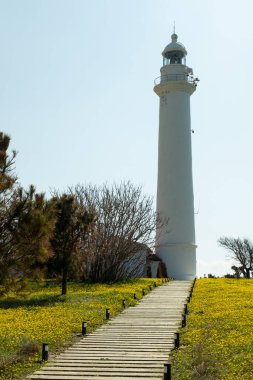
{"x":76,"y":95}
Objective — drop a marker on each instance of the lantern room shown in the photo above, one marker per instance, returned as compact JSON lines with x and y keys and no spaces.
{"x":174,"y":53}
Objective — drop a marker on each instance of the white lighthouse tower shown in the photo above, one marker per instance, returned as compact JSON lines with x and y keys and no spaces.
{"x":176,"y":242}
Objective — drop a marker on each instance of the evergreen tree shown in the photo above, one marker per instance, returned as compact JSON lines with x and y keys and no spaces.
{"x":70,"y":233}
{"x":26,"y":222}
{"x":7,"y":178}
{"x":31,"y":222}
{"x":7,"y":181}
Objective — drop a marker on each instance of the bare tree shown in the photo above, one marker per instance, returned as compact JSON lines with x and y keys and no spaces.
{"x":237,"y":271}
{"x":124,"y":230}
{"x":241,"y":250}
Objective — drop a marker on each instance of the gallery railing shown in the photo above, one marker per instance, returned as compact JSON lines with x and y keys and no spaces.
{"x":175,"y":78}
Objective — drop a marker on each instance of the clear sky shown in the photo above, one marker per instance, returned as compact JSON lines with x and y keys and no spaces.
{"x":76,"y":96}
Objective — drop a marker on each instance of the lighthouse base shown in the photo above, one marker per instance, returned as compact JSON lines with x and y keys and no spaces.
{"x":180,"y":260}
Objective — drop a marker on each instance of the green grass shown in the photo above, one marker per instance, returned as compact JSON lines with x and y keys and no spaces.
{"x":41,"y":314}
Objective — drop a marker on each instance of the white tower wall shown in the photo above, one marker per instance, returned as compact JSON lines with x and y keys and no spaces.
{"x":176,"y":242}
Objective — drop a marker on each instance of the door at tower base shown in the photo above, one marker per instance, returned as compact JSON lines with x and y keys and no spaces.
{"x":179,"y":259}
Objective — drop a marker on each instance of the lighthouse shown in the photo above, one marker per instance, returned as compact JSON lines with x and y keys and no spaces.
{"x":175,"y":241}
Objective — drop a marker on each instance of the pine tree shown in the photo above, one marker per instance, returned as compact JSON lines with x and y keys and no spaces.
{"x":26,"y":222}
{"x":7,"y":182}
{"x":71,"y":229}
{"x":31,"y":224}
{"x":7,"y":178}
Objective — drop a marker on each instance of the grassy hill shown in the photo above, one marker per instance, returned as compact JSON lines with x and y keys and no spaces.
{"x":216,"y":344}
{"x":218,"y":340}
{"x":41,"y":315}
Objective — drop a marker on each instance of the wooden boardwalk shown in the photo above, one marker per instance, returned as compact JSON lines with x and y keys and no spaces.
{"x":133,"y":345}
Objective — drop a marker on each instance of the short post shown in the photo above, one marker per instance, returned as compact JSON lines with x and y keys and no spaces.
{"x":188,"y":299}
{"x":167,"y":371}
{"x":84,"y":328}
{"x":183,"y":320}
{"x":135,"y":296}
{"x":176,"y":340}
{"x":150,"y":287}
{"x":124,"y":303}
{"x":185,"y":309}
{"x":44,"y":351}
{"x":107,"y":313}
{"x":154,"y":284}
{"x":143,"y":292}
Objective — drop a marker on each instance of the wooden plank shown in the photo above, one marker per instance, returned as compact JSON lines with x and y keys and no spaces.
{"x":133,"y":338}
{"x":137,"y":344}
{"x":105,"y":364}
{"x":115,"y":350}
{"x":114,"y":355}
{"x":100,"y":375}
{"x":112,"y":361}
{"x":66,"y":377}
{"x":86,"y":370}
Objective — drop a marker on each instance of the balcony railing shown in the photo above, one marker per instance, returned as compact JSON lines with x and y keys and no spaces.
{"x":175,"y":78}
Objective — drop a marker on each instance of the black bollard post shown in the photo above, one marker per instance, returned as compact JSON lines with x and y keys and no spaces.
{"x":107,"y":313}
{"x":135,"y":296}
{"x":150,"y":287}
{"x":84,"y":328}
{"x":143,"y":292}
{"x":124,"y":304}
{"x":183,"y":320}
{"x":154,"y":284}
{"x":188,"y":299}
{"x":185,"y":309}
{"x":44,"y":351}
{"x":176,"y":340}
{"x":167,"y":371}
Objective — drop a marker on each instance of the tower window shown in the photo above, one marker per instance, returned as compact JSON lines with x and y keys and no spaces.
{"x":175,"y":59}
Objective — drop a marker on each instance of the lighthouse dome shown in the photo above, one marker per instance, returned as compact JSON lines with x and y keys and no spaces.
{"x":175,"y":51}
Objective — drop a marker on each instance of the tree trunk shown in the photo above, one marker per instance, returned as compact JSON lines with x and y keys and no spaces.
{"x":64,"y":282}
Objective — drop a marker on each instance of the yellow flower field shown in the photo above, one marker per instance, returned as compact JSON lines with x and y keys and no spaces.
{"x":44,"y":316}
{"x":218,"y":340}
